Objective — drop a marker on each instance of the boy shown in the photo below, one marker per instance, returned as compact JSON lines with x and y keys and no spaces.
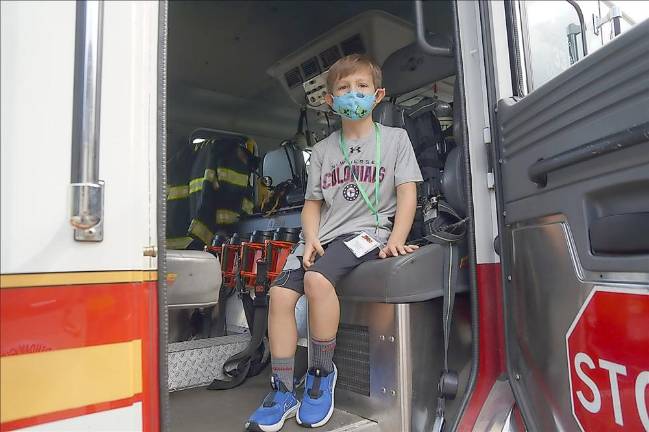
{"x":359,"y":178}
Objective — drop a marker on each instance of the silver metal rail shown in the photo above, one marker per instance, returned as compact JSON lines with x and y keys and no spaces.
{"x":86,"y":212}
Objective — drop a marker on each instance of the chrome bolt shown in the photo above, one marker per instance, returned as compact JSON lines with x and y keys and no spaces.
{"x":384,"y":390}
{"x":509,"y":277}
{"x":381,"y":338}
{"x":393,"y":392}
{"x":517,"y":376}
{"x":391,"y":339}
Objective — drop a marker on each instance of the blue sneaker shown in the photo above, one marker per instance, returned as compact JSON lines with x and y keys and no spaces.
{"x":278,"y":405}
{"x":318,"y":401}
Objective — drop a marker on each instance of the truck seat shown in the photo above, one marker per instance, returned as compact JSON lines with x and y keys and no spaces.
{"x":420,"y":276}
{"x":193,"y":279}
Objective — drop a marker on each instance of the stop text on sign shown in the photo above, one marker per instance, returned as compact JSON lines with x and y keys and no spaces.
{"x":608,"y":360}
{"x":583,"y":362}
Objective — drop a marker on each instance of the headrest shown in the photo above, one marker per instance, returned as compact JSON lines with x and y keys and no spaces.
{"x":453,"y":181}
{"x":409,"y":68}
{"x":388,"y":114}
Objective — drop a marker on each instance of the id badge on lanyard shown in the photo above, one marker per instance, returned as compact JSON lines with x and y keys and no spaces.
{"x":374,"y":207}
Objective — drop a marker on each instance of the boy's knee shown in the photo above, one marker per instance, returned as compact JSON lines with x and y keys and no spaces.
{"x":316,"y":285}
{"x":283,"y":299}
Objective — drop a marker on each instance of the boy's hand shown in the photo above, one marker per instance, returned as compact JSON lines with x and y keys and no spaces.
{"x":395,"y":249}
{"x":311,"y":248}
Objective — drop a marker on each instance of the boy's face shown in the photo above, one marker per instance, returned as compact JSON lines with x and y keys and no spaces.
{"x":360,"y":81}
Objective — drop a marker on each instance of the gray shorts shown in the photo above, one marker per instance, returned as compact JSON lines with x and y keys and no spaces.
{"x":337,"y":262}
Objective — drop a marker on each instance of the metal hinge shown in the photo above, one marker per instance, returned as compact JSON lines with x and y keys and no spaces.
{"x":486,"y":135}
{"x":491,"y":181}
{"x":486,"y":138}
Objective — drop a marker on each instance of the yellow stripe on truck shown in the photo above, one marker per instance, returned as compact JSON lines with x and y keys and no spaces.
{"x":76,"y":278}
{"x":46,"y":382}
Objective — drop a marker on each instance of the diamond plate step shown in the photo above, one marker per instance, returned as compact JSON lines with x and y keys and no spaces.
{"x":198,"y":362}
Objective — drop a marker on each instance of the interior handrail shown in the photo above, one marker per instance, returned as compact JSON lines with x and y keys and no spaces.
{"x":582,"y":24}
{"x":421,"y":34}
{"x":539,"y":170}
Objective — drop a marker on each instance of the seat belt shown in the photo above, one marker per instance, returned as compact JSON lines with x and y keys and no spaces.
{"x":258,"y":323}
{"x":449,"y":235}
{"x":448,"y":381}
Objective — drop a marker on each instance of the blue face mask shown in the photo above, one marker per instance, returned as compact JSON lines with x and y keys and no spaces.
{"x":354,"y":105}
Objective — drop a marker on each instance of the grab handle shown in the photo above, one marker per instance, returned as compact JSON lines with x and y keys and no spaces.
{"x":539,"y":170}
{"x":87,"y":191}
{"x":582,"y":25}
{"x":421,"y":35}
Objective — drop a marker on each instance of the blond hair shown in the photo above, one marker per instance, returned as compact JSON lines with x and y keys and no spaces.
{"x":350,"y":64}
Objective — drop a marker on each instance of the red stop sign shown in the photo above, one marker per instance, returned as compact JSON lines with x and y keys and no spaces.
{"x":608,"y":360}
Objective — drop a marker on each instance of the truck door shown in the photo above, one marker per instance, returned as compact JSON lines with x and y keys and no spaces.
{"x":572,"y":168}
{"x":79,"y":332}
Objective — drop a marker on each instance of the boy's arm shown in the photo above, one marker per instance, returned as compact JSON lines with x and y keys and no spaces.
{"x":311,"y":210}
{"x":405,"y":215}
{"x":310,"y":228}
{"x":311,"y":219}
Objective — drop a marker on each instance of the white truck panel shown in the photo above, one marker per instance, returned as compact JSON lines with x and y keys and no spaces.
{"x":484,"y":199}
{"x":36,"y":103}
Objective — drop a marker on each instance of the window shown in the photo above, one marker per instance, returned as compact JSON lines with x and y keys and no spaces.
{"x":551,"y":32}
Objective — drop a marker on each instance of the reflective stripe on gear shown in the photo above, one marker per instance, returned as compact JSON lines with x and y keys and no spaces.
{"x":177,"y":192}
{"x":251,"y":146}
{"x":208,"y":176}
{"x":201,"y":231}
{"x":178,"y":242}
{"x":230,"y":176}
{"x":196,"y":185}
{"x":224,"y":216}
{"x":247,"y":206}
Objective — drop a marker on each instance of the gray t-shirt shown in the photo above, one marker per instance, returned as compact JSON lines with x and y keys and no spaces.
{"x":344,"y":210}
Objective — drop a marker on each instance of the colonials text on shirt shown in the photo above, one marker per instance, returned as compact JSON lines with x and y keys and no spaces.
{"x":342,"y":174}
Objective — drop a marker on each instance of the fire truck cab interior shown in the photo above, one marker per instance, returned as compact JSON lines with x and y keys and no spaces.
{"x":141,"y":231}
{"x":232,"y":71}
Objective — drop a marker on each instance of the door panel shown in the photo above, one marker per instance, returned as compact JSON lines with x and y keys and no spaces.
{"x":590,"y":125}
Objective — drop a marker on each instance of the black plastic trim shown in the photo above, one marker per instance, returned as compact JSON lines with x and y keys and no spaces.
{"x":514,"y":51}
{"x":471,"y":244}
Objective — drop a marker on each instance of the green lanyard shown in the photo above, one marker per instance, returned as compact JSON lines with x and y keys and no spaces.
{"x":374,"y":208}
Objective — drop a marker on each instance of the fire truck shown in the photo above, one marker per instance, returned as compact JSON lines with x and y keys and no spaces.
{"x":531,"y":315}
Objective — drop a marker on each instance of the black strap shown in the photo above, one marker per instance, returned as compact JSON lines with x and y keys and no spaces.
{"x":243,"y":359}
{"x":448,"y":234}
{"x":257,"y":316}
{"x":248,"y":309}
{"x":220,"y":327}
{"x":448,"y":381}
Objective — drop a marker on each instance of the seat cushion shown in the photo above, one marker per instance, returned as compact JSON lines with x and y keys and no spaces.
{"x":193,"y":279}
{"x":416,"y":277}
